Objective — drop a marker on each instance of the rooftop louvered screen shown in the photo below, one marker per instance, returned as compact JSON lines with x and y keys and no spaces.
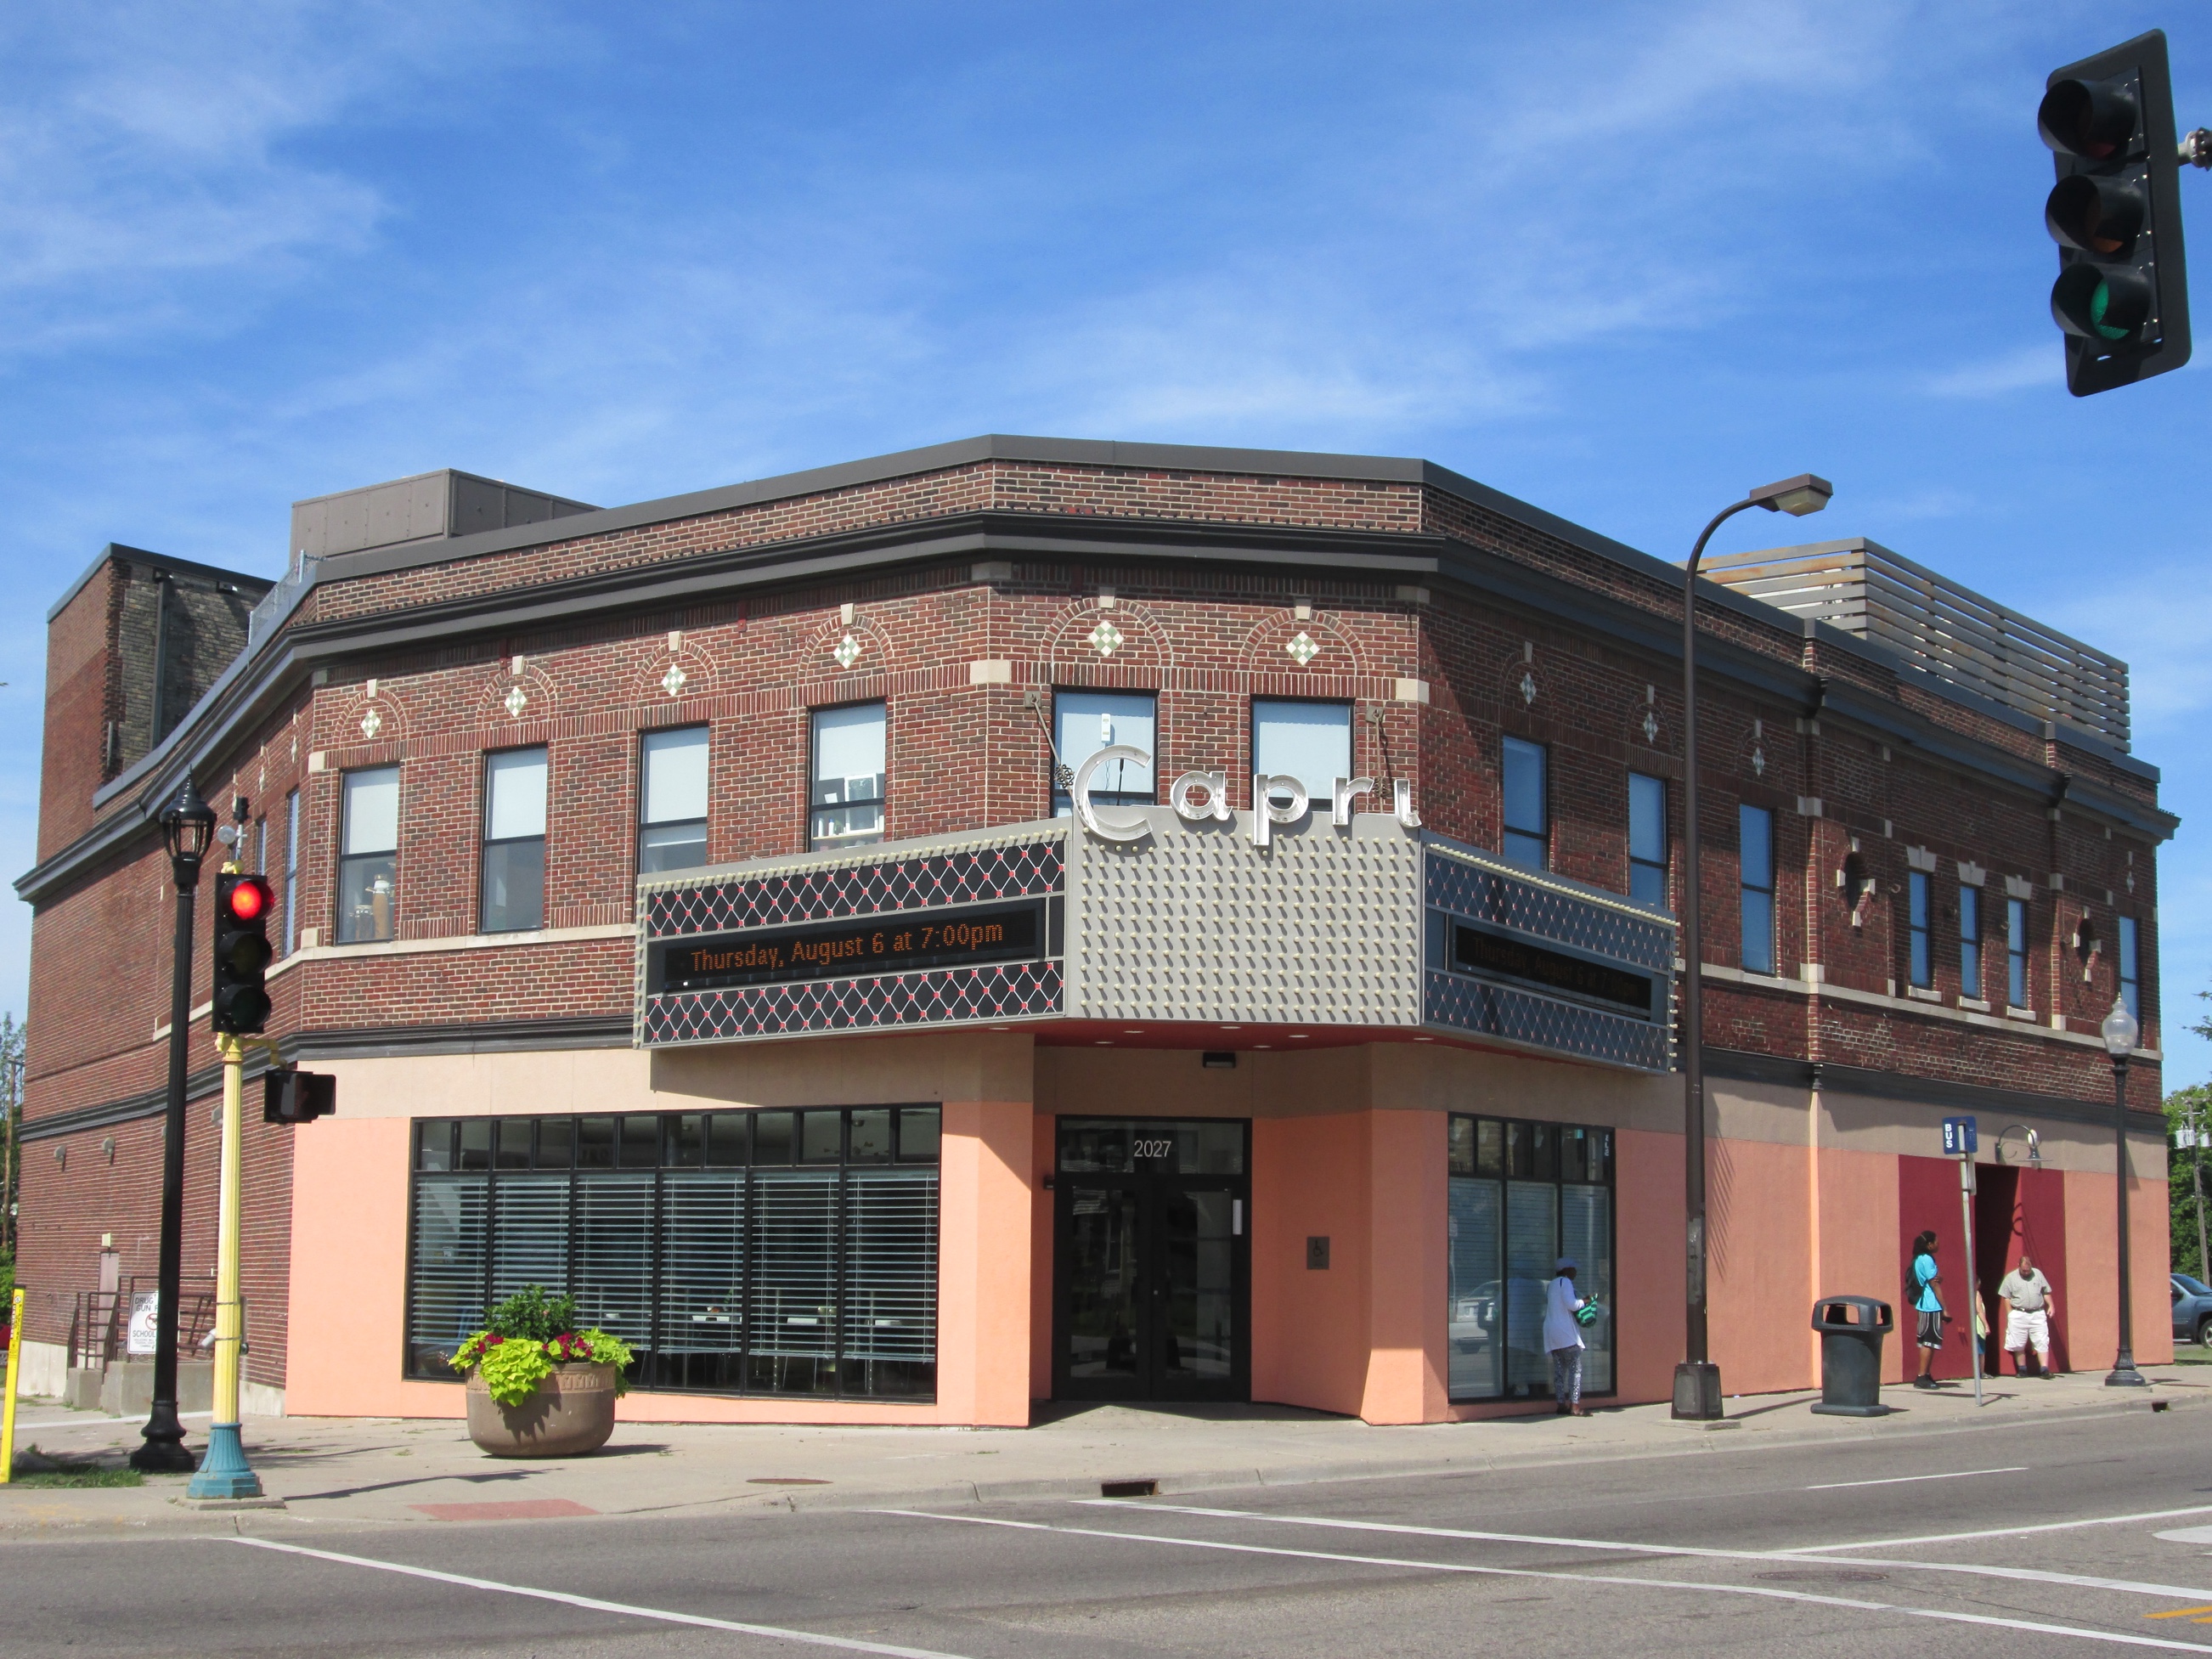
{"x":1951,"y":632}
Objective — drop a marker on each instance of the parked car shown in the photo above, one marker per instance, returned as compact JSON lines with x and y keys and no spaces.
{"x":2193,"y":1309}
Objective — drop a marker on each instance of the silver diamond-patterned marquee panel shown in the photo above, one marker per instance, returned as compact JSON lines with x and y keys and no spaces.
{"x":1541,"y":910}
{"x":1481,"y":1009}
{"x":1319,"y":927}
{"x":824,"y":892}
{"x":945,"y":996}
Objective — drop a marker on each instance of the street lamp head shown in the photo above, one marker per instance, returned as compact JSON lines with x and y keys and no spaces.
{"x":2120,"y":1032}
{"x":187,"y":825}
{"x":1806,"y":493}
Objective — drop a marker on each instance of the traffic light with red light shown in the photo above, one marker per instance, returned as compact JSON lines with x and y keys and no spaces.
{"x":242,"y":952}
{"x":290,"y":1096}
{"x":2121,"y":297}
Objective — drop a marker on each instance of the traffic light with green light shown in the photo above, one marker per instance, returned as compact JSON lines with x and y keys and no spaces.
{"x":242,"y":904}
{"x":2122,"y":296}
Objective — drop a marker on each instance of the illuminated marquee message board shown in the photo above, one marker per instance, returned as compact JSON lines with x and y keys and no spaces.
{"x":1495,"y":956}
{"x":888,"y":943}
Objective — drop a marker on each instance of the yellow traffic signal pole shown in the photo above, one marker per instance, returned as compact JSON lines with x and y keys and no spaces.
{"x":8,"y":1411}
{"x":224,"y":1471}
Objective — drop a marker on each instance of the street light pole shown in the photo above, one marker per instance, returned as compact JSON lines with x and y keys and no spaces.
{"x":1696,"y":1379}
{"x":2120,"y":1032}
{"x":187,"y":826}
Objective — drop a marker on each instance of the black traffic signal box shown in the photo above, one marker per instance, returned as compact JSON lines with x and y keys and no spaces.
{"x":290,"y":1096}
{"x":2122,"y":295}
{"x":242,"y":907}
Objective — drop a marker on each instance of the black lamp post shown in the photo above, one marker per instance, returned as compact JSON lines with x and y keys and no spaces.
{"x":2120,"y":1032}
{"x":1696,"y":1379}
{"x":188,"y":827}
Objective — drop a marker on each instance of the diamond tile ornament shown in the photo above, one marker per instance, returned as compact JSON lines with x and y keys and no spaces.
{"x":371,"y":724}
{"x":848,"y":652}
{"x":1105,"y":639}
{"x":1650,"y":726}
{"x":517,"y":701}
{"x":1759,"y":762}
{"x":1303,"y":650}
{"x":674,"y":680}
{"x":1527,"y":688}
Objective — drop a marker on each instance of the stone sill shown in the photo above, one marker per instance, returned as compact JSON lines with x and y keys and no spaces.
{"x":1916,"y":1006}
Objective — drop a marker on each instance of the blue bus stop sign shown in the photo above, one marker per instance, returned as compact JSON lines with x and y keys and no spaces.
{"x":1959,"y":1139}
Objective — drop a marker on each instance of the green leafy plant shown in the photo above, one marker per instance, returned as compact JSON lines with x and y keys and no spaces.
{"x":513,"y":1370}
{"x":533,"y":1314}
{"x":527,"y":1335}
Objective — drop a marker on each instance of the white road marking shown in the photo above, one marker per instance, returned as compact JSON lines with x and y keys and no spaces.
{"x":2034,"y":1575}
{"x":1762,"y":1591}
{"x":2003,"y":1532}
{"x":595,"y":1605}
{"x":1906,"y":1480}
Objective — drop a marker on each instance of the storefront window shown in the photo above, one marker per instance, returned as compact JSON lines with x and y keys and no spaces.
{"x":738,"y":1252}
{"x":1522,"y":1195}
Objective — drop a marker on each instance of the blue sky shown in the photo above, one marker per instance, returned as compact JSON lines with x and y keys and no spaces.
{"x":1623,"y":265}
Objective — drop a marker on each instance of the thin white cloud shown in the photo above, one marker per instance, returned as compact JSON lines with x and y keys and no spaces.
{"x":1996,"y":377}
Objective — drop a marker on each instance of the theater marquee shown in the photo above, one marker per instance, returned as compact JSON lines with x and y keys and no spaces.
{"x":1329,"y":918}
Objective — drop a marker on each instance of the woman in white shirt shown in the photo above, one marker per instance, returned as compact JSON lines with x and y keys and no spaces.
{"x":1563,"y":1337}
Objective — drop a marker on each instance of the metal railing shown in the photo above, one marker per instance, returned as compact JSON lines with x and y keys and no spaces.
{"x":99,"y":1324}
{"x":1935,"y":624}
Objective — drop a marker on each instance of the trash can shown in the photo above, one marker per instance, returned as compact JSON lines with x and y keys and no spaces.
{"x":1851,"y":1328}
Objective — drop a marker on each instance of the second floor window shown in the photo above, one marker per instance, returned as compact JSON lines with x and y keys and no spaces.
{"x":672,"y":801}
{"x":2016,"y":952}
{"x":2131,"y":980}
{"x":1527,"y":805}
{"x":1921,"y":966}
{"x":515,"y":841}
{"x":288,"y":941}
{"x":1084,"y":722}
{"x":1309,"y":741}
{"x":368,"y":855}
{"x":1647,"y":839}
{"x":846,"y":795}
{"x":1970,"y":941}
{"x":1755,"y":838}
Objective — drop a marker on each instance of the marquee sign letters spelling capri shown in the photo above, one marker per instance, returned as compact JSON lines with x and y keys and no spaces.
{"x":1198,"y":797}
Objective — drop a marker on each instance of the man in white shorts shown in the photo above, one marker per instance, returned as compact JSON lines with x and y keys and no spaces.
{"x":2028,"y":1300}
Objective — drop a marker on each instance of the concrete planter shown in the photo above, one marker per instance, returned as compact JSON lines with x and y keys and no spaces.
{"x":572,"y":1413}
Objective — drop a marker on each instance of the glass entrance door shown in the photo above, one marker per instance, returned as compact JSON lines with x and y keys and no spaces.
{"x":1153,"y":1260}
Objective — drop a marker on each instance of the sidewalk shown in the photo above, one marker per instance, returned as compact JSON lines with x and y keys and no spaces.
{"x":386,"y":1472}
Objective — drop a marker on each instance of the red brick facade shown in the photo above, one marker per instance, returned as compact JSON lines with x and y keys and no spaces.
{"x":1447,"y":620}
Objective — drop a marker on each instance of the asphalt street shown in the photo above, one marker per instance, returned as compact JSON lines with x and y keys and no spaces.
{"x":2069,"y":1536}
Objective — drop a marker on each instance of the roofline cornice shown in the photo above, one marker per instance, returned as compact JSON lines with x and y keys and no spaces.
{"x":250,"y":695}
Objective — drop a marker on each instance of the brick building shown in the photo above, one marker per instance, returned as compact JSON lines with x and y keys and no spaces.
{"x":1032,"y":918}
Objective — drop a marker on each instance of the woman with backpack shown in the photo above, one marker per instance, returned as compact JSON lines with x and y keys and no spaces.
{"x":1928,"y":1301}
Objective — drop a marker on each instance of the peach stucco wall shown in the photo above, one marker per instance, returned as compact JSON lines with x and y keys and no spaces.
{"x":1309,"y":1179}
{"x":350,"y":1210}
{"x":2093,"y":1268}
{"x":1760,"y":1290}
{"x":1854,"y":1247}
{"x":1408,"y":1268}
{"x":1647,"y":1205}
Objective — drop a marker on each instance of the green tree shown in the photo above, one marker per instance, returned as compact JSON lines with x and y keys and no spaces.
{"x":2182,"y":1166}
